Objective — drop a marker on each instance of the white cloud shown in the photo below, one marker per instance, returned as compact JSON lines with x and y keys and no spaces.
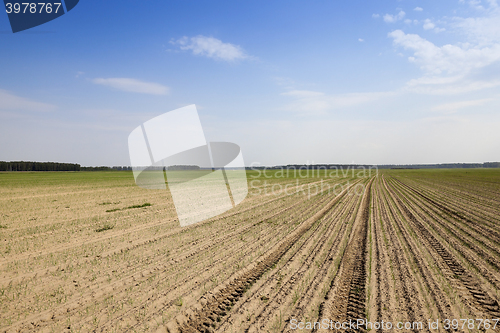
{"x":375,"y":15}
{"x":449,"y":59}
{"x":361,"y":39}
{"x":284,"y":82}
{"x":454,"y":106}
{"x":394,"y":18}
{"x":441,"y":87}
{"x":9,"y":101}
{"x":133,"y":85}
{"x":306,"y":102}
{"x":481,"y":31}
{"x":492,"y":3}
{"x":476,"y":4}
{"x":428,"y":25}
{"x":418,"y":9}
{"x":303,"y":93}
{"x":468,"y":65}
{"x":211,"y":47}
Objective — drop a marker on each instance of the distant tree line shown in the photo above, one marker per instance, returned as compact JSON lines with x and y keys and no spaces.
{"x":183,"y":167}
{"x":122,"y":168}
{"x":443,"y":166}
{"x":106,"y":168}
{"x":491,"y":165}
{"x":38,"y":166}
{"x":55,"y":166}
{"x":381,"y":166}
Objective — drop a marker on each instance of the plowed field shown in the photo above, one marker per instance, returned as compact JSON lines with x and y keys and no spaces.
{"x":92,"y":252}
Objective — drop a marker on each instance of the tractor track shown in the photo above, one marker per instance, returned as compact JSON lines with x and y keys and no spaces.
{"x":121,"y":286}
{"x":346,"y":299}
{"x":205,"y":313}
{"x":481,"y":300}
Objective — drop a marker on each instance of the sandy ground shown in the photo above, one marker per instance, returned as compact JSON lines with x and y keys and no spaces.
{"x":75,"y":257}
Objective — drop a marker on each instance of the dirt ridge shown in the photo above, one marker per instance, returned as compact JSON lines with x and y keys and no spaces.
{"x":220,"y":301}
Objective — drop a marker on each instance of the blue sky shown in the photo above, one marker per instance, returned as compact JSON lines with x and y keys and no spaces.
{"x":289,"y":81}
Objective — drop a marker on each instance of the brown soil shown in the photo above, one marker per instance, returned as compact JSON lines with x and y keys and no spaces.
{"x":405,"y":249}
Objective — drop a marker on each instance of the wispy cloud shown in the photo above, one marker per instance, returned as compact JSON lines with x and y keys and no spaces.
{"x":453,"y":68}
{"x":476,"y":4}
{"x":284,"y":82}
{"x":418,"y":9}
{"x":307,"y":102}
{"x":458,"y":67}
{"x":449,"y":86}
{"x":394,"y":18}
{"x":480,"y":31}
{"x":133,"y":85}
{"x":455,"y":106}
{"x":428,"y":24}
{"x":9,"y":101}
{"x":211,"y":47}
{"x":450,"y":59}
